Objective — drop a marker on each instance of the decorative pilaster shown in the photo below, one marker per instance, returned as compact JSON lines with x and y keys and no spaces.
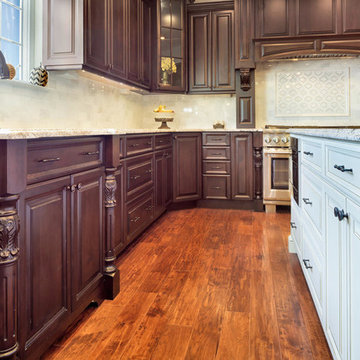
{"x":9,"y":253}
{"x":112,"y":279}
{"x":258,"y":173}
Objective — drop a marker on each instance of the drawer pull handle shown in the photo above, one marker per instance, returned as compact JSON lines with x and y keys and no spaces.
{"x":216,"y":188}
{"x":293,"y":225}
{"x":136,"y":219}
{"x":134,"y":145}
{"x":217,"y":154}
{"x":149,"y":143}
{"x":166,"y":154}
{"x":306,"y":263}
{"x":135,"y":177}
{"x":217,"y":139}
{"x":149,"y":208}
{"x":342,"y":168}
{"x":216,"y":167}
{"x":92,"y":153}
{"x":49,"y":160}
{"x":307,"y":201}
{"x":308,"y":153}
{"x":340,"y":214}
{"x":148,"y":171}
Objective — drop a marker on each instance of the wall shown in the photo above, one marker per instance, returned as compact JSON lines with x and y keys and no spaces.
{"x":308,"y":93}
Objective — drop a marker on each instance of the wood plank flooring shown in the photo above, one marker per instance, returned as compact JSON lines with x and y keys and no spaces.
{"x":204,"y":284}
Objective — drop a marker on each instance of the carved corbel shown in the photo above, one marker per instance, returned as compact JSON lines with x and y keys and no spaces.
{"x":245,"y":79}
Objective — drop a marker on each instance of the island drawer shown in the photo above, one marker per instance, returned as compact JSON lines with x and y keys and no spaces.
{"x":216,"y":187}
{"x":163,"y":141}
{"x":312,"y":154}
{"x":138,"y":144}
{"x":216,"y":153}
{"x":47,"y":159}
{"x":216,"y":139}
{"x":216,"y":167}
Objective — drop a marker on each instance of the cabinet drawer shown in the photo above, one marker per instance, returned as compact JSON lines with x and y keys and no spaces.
{"x":163,"y":141}
{"x":295,"y":225}
{"x":343,"y":166}
{"x":216,"y":186}
{"x":216,"y":139}
{"x":212,"y":153}
{"x":311,"y":199}
{"x":138,"y":144}
{"x":53,"y":158}
{"x":139,"y":175}
{"x":312,"y":154}
{"x":139,"y":215}
{"x":216,"y":167}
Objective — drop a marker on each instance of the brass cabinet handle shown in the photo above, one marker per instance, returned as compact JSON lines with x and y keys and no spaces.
{"x":217,"y":139}
{"x":92,"y":153}
{"x":216,"y":167}
{"x":136,"y":219}
{"x":216,"y":188}
{"x":306,"y":263}
{"x":134,"y":145}
{"x":49,"y":160}
{"x":217,"y":154}
{"x":135,"y":177}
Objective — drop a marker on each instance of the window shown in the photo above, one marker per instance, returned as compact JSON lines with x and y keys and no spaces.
{"x":11,"y":34}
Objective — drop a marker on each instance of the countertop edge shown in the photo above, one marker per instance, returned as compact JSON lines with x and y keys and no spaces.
{"x":335,"y":134}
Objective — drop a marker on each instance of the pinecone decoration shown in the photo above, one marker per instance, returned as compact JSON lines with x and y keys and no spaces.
{"x":12,"y":71}
{"x":39,"y":76}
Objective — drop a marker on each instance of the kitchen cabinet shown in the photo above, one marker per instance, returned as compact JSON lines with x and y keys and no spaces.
{"x":62,"y":34}
{"x":242,"y":166}
{"x":328,"y":240}
{"x":118,"y":39}
{"x":169,"y":46}
{"x":119,"y":244}
{"x":211,"y":49}
{"x":187,"y":167}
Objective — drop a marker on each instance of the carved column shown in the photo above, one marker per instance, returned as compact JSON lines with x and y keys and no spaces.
{"x":9,"y":252}
{"x":258,"y":166}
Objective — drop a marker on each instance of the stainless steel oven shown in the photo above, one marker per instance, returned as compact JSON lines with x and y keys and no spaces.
{"x":277,"y":154}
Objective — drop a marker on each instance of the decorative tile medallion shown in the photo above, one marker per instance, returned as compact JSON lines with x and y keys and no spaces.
{"x":312,"y":93}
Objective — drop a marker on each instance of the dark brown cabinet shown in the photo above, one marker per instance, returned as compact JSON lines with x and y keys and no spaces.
{"x":242,"y":166}
{"x":211,"y":50}
{"x":117,"y":39}
{"x":187,"y":167}
{"x":119,"y":210}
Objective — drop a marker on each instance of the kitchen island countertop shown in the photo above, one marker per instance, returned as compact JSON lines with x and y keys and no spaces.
{"x":330,"y":133}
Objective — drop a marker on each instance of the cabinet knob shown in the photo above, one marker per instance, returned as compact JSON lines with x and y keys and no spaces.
{"x":79,"y":186}
{"x":307,"y":264}
{"x":72,"y":188}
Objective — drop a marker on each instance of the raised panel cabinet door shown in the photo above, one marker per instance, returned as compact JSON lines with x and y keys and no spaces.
{"x":187,"y":167}
{"x":119,"y":211}
{"x":133,"y":46}
{"x":96,"y":34}
{"x":87,"y":234}
{"x":272,"y":18}
{"x":63,"y":34}
{"x":351,"y":16}
{"x":145,"y":42}
{"x":44,"y":281}
{"x":168,"y":177}
{"x":223,"y":70}
{"x":336,"y":319}
{"x":200,"y":52}
{"x":353,"y":268}
{"x":242,"y":166}
{"x":117,"y":37}
{"x":316,"y":17}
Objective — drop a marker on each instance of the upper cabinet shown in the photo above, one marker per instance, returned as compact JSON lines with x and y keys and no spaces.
{"x":117,"y":38}
{"x":211,"y":49}
{"x":169,"y":46}
{"x":63,"y":34}
{"x":300,"y":27}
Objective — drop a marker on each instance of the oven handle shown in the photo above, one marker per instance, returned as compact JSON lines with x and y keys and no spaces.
{"x":277,"y":151}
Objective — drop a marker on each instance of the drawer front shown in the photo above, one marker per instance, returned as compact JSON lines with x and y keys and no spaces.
{"x":53,"y":158}
{"x":295,"y":225}
{"x":139,"y":215}
{"x":222,"y":139}
{"x":311,"y":199}
{"x":163,"y":141}
{"x":138,"y":144}
{"x":313,"y":267}
{"x":212,"y":153}
{"x":216,"y":167}
{"x":139,"y":175}
{"x":216,"y":187}
{"x":312,"y":154}
{"x":343,"y":166}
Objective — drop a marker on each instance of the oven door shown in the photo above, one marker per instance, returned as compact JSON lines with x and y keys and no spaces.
{"x":276,"y":175}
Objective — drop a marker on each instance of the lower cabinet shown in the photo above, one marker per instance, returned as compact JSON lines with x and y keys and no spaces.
{"x":187,"y":167}
{"x":216,"y":187}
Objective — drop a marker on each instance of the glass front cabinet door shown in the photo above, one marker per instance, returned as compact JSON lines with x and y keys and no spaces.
{"x":170,"y":69}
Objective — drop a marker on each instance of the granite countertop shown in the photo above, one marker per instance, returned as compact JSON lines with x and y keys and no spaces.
{"x":337,"y":134}
{"x":13,"y":134}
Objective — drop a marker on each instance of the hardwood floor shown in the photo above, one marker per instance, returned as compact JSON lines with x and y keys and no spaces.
{"x":204,"y":284}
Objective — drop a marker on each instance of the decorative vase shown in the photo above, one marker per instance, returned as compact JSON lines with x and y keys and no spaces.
{"x":39,"y":76}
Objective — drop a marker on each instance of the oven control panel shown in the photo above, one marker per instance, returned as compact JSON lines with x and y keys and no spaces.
{"x":276,"y":139}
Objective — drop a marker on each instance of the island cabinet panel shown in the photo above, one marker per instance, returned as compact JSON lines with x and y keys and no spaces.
{"x":187,"y":167}
{"x":242,"y":166}
{"x":87,"y":242}
{"x":119,"y":244}
{"x":168,"y":177}
{"x":45,"y":281}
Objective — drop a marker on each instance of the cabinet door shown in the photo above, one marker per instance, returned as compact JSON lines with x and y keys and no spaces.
{"x":336,"y":323}
{"x":119,"y":211}
{"x":200,"y":52}
{"x":96,"y":34}
{"x":134,"y":11}
{"x":118,"y":22}
{"x":187,"y":167}
{"x":44,"y":287}
{"x":63,"y":34}
{"x":145,"y":42}
{"x":351,"y":16}
{"x":353,"y":268}
{"x":168,"y":177}
{"x":87,"y":234}
{"x":159,"y":183}
{"x":241,"y":166}
{"x":223,"y":70}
